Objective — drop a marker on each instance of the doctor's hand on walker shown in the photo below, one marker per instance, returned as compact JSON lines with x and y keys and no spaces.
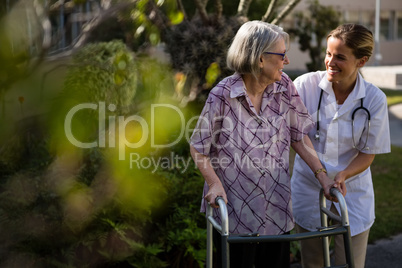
{"x":327,"y":184}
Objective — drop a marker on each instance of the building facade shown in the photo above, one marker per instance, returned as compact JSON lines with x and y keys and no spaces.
{"x":362,"y":12}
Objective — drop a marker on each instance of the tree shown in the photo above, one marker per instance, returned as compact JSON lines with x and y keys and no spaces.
{"x":312,"y":29}
{"x":70,"y":206}
{"x":25,"y":36}
{"x":139,"y":22}
{"x":198,"y":45}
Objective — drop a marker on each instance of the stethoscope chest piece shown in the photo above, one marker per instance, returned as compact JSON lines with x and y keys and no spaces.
{"x":317,"y":136}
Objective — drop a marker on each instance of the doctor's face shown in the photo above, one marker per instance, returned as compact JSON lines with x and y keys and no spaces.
{"x":342,"y":66}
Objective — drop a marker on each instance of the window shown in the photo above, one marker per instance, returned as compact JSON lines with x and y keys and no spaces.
{"x":367,"y":18}
{"x":385,"y":33}
{"x":399,"y":25}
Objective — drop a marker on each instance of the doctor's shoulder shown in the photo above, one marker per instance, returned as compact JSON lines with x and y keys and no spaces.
{"x":309,"y":80}
{"x":375,"y":93}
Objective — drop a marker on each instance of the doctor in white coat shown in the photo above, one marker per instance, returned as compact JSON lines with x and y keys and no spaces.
{"x":351,"y":128}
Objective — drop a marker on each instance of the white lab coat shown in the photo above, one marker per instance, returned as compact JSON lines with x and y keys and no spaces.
{"x":335,"y":148}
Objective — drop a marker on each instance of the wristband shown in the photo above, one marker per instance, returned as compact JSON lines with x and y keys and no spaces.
{"x":319,"y":170}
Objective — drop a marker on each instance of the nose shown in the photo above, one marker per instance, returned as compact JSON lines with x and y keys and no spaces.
{"x":329,"y":60}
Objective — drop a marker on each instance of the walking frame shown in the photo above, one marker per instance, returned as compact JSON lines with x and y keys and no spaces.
{"x":324,"y":232}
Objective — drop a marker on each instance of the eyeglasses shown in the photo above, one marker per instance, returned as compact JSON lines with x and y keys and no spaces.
{"x":280,"y":54}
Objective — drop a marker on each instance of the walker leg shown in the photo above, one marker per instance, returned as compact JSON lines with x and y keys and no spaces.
{"x":209,"y":244}
{"x":324,"y":223}
{"x":347,"y":240}
{"x":225,"y":252}
{"x":325,"y":247}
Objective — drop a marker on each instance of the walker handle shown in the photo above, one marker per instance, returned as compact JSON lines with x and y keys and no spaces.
{"x":218,"y":201}
{"x":342,"y":205}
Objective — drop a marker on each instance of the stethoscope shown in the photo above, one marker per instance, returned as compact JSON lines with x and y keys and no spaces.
{"x":317,"y":134}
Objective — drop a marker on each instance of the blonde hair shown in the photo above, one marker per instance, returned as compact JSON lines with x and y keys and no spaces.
{"x":356,"y":37}
{"x":251,"y":40}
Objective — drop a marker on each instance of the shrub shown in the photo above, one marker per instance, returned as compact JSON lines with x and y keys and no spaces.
{"x":64,"y":206}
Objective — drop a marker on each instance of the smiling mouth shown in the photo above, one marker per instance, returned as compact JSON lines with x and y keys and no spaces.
{"x":333,"y":71}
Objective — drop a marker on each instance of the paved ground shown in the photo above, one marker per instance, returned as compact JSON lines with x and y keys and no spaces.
{"x":395,"y":124}
{"x":383,"y":76}
{"x":385,"y":253}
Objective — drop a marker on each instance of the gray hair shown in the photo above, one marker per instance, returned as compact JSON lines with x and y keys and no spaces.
{"x":251,"y":40}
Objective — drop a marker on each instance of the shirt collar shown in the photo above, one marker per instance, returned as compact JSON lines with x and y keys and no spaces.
{"x":239,"y":89}
{"x":358,"y":92}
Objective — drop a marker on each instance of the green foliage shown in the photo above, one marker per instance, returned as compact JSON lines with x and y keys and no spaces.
{"x":105,"y":72}
{"x":185,"y":239}
{"x":133,"y":24}
{"x":393,"y":96}
{"x":192,"y":43}
{"x":194,"y":46}
{"x":63,"y":206}
{"x":256,"y":9}
{"x":102,"y":73}
{"x":197,"y":44}
{"x":78,"y":225}
{"x":27,"y":150}
{"x":16,"y":49}
{"x":312,"y":29}
{"x":386,"y":170}
{"x":184,"y":226}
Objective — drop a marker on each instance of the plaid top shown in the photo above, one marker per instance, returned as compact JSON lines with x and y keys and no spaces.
{"x":249,"y":151}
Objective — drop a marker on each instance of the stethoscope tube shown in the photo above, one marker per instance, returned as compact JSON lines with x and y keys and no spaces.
{"x":317,"y":134}
{"x":353,"y":126}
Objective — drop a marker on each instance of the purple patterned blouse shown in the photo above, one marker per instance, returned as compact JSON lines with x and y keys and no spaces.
{"x":249,"y":152}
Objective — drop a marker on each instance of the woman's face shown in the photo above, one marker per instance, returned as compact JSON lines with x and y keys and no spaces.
{"x":342,"y":66}
{"x":272,"y":65}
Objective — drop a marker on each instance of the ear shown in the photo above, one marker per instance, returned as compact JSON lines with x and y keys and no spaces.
{"x":362,"y":61}
{"x":261,"y":63}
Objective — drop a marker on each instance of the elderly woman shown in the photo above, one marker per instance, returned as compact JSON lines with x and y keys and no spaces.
{"x":242,"y":139}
